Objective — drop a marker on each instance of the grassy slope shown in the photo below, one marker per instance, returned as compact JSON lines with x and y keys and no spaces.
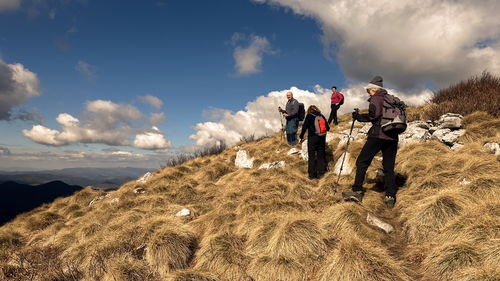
{"x":273,"y":224}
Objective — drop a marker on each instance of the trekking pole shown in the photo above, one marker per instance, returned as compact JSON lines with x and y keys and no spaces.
{"x":345,"y":152}
{"x":282,"y":128}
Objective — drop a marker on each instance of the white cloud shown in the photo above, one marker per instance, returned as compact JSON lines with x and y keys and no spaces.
{"x":407,"y":42}
{"x":17,"y":85}
{"x":151,"y":140}
{"x":103,"y":122}
{"x":9,"y":5}
{"x":87,"y":70}
{"x":157,"y":118}
{"x":152,"y":100}
{"x":261,"y":117}
{"x":248,"y":59}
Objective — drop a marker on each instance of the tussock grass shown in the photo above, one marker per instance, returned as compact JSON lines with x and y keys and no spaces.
{"x":356,"y":259}
{"x":450,"y":257}
{"x":223,"y":254}
{"x":277,"y":269}
{"x":170,"y":248}
{"x":250,"y":224}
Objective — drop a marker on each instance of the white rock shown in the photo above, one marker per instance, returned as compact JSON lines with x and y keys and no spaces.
{"x":273,"y":165}
{"x":303,"y":152}
{"x":373,"y":220}
{"x":347,"y":168}
{"x":450,"y":121}
{"x":139,"y":190}
{"x":242,"y":160}
{"x":439,"y":134}
{"x":330,"y":136}
{"x":464,"y":181}
{"x":414,"y":133}
{"x":146,"y":177}
{"x":114,"y":200}
{"x":183,"y":213}
{"x":97,"y":199}
{"x":451,"y":137}
{"x":456,"y":146}
{"x":492,"y":147}
{"x":293,"y":151}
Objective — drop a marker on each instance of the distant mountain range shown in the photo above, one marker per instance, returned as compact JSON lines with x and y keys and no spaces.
{"x":19,"y":198}
{"x":99,"y":178}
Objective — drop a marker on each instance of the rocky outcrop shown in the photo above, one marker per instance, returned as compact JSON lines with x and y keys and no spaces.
{"x":99,"y":198}
{"x":273,"y":165}
{"x":242,"y":160}
{"x":492,"y":147}
{"x":346,"y":168}
{"x":145,"y":178}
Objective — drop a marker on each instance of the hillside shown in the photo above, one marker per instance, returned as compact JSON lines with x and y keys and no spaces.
{"x":275,"y":224}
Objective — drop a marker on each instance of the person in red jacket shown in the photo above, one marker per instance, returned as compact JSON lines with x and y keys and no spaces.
{"x":337,"y":100}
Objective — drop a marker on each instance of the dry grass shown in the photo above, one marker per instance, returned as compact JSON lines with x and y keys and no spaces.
{"x":269,"y":225}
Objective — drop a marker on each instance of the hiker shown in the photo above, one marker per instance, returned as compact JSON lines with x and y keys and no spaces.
{"x":377,"y":141}
{"x":337,"y":100}
{"x":291,"y":114}
{"x":316,"y":126}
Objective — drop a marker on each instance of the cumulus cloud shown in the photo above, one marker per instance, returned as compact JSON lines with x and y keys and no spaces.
{"x":261,"y":117}
{"x":152,"y":100}
{"x":157,"y":118}
{"x":152,"y":140}
{"x":9,"y":5}
{"x":408,"y":42}
{"x":17,"y":85}
{"x":248,"y":59}
{"x":103,"y":122}
{"x":87,"y":70}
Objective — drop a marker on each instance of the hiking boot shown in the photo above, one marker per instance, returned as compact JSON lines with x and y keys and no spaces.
{"x":355,"y":196}
{"x":389,"y":201}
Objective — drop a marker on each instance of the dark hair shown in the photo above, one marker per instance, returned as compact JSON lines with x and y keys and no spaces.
{"x":312,"y":109}
{"x":333,"y":87}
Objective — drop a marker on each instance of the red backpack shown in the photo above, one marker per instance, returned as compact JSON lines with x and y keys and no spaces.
{"x":319,"y":126}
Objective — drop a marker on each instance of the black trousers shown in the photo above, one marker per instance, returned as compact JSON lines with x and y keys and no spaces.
{"x":316,"y":153}
{"x":370,"y":149}
{"x":333,"y":114}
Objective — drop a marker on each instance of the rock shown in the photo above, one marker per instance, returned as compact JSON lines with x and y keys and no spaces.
{"x":414,"y":133}
{"x":373,"y":220}
{"x":433,"y":129}
{"x":97,"y":199}
{"x":242,"y":160}
{"x":492,"y":147}
{"x":114,"y":201}
{"x":420,"y":124}
{"x":365,"y":128}
{"x":453,"y":136}
{"x":439,"y":134}
{"x":330,"y":136}
{"x":347,"y":168}
{"x":183,"y":213}
{"x":303,"y":152}
{"x":450,"y":121}
{"x":146,"y":177}
{"x":343,"y":141}
{"x":293,"y":151}
{"x":139,"y":190}
{"x":456,"y":146}
{"x":354,"y":133}
{"x":464,"y":181}
{"x":273,"y":165}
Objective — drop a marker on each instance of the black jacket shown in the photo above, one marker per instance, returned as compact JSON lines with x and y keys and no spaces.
{"x":308,"y":124}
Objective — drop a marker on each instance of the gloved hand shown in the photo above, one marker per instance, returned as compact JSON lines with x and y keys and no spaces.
{"x":355,"y":115}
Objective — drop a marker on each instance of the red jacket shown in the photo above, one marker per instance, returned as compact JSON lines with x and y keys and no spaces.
{"x":336,"y":98}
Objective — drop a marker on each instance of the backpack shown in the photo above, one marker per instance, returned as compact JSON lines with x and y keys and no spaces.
{"x":342,"y":100}
{"x":393,"y":119}
{"x":319,"y":126}
{"x":302,"y":112}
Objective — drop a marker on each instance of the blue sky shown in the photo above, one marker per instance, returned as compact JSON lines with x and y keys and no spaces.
{"x":185,"y":53}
